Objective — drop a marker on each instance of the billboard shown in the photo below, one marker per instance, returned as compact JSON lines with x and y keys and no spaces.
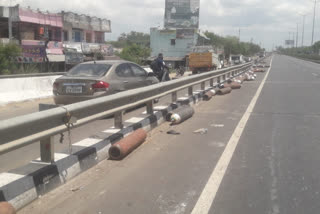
{"x":182,"y":14}
{"x":289,"y":42}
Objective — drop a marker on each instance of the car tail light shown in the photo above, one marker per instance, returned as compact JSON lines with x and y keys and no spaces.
{"x":100,"y":85}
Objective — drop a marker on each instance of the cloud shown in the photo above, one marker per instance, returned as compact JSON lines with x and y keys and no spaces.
{"x":266,"y":21}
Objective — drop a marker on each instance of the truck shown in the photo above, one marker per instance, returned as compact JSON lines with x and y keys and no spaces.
{"x":204,"y":59}
{"x":236,"y":59}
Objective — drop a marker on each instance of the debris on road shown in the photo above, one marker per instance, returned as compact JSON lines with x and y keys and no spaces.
{"x":76,"y":189}
{"x":180,"y":115}
{"x":223,"y":91}
{"x":173,"y":132}
{"x":217,"y":125}
{"x":201,"y":131}
{"x":209,"y":95}
{"x":125,"y":146}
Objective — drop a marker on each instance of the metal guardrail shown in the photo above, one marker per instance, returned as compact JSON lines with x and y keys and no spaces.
{"x":42,"y":126}
{"x":31,"y":75}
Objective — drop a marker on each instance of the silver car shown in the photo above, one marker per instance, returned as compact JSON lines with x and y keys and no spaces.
{"x":96,"y":79}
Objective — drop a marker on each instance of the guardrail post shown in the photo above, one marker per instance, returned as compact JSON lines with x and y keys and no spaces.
{"x":118,"y":121}
{"x":47,"y":144}
{"x":219,"y":80}
{"x":203,"y":86}
{"x":190,"y":91}
{"x":174,"y":97}
{"x":211,"y":83}
{"x":150,"y":107}
{"x":47,"y":150}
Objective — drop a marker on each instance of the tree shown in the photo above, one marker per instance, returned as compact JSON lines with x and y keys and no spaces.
{"x":7,"y":54}
{"x":133,"y":37}
{"x":232,"y":45}
{"x":135,"y":53}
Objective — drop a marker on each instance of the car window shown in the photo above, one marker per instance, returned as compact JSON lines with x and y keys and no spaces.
{"x":138,"y":71}
{"x":123,"y":70}
{"x":89,"y":70}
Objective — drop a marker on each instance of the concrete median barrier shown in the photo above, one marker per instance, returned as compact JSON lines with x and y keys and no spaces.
{"x":26,"y":88}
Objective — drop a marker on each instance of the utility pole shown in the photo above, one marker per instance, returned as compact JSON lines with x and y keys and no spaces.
{"x":304,"y":19}
{"x":314,"y":18}
{"x":239,"y":34}
{"x":10,"y":23}
{"x":297,"y":36}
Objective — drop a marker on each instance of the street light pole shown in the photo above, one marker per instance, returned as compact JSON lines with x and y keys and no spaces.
{"x":314,"y":18}
{"x":304,"y":19}
{"x":297,"y":36}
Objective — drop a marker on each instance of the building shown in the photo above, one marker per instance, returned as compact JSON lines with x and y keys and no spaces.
{"x":82,"y":28}
{"x":39,"y":33}
{"x":44,"y":35}
{"x":175,"y":44}
{"x":180,"y":33}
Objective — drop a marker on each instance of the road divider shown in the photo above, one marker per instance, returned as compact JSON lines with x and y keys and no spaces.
{"x":25,"y":88}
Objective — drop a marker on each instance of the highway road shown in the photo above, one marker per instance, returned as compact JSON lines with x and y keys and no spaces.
{"x":26,"y":154}
{"x":260,"y":155}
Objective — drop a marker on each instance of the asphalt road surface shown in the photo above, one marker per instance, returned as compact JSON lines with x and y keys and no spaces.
{"x":260,"y":155}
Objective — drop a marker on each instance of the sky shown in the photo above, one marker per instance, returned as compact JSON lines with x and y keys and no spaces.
{"x":265,"y":22}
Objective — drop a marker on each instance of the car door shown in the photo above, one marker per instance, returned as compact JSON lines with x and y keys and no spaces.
{"x":125,"y":79}
{"x":140,"y":75}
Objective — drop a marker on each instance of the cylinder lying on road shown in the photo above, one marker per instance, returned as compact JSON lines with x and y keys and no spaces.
{"x":180,"y":115}
{"x":209,"y":95}
{"x":223,"y":91}
{"x":122,"y":148}
{"x":235,"y":85}
{"x":6,"y":208}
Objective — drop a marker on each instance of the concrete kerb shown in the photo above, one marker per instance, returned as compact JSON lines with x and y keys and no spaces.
{"x":23,"y":185}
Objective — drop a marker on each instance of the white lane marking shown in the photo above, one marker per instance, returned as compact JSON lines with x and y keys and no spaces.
{"x":88,"y":142}
{"x":134,"y":120}
{"x":6,"y":178}
{"x":159,"y":108}
{"x":209,"y":192}
{"x":183,"y":98}
{"x":111,"y":131}
{"x":57,"y":157}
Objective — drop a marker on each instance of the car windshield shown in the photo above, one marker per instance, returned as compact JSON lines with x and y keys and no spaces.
{"x":89,"y":70}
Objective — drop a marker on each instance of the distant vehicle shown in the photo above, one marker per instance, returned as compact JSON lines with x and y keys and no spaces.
{"x":96,"y":79}
{"x":203,"y":59}
{"x":262,"y":54}
{"x":236,"y":59}
{"x":247,"y":59}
